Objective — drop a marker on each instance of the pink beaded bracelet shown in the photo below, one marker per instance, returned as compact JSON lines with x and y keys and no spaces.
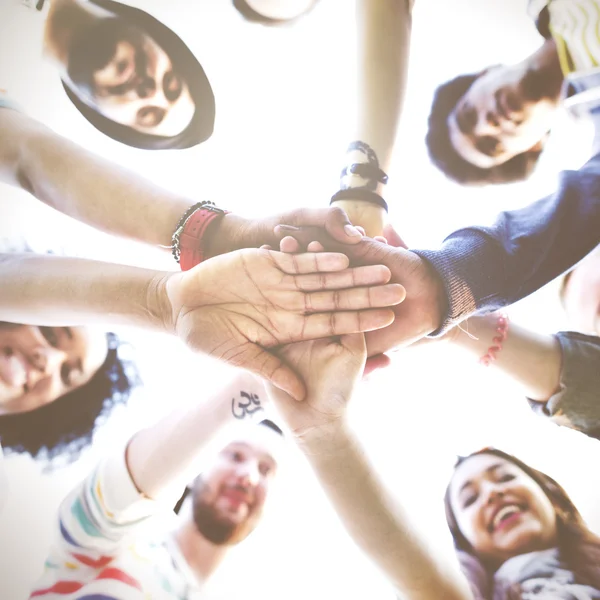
{"x":502,"y":331}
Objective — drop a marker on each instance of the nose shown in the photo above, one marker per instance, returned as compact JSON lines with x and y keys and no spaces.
{"x":491,"y":493}
{"x":248,"y":474}
{"x":146,"y":87}
{"x":46,"y":361}
{"x":487,"y":124}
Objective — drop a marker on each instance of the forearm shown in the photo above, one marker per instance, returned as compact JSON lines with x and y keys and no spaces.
{"x":488,"y":268}
{"x":377,"y":522}
{"x":57,"y":290}
{"x":532,"y":359}
{"x":164,"y":456}
{"x":383,"y":43}
{"x":84,"y":186}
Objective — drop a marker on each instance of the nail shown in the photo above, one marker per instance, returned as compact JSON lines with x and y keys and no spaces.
{"x":352,"y":231}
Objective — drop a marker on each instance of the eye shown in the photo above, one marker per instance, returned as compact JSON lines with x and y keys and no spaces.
{"x":172,"y":86}
{"x":237,"y":457}
{"x":265,"y":469}
{"x":50,"y":336}
{"x":506,"y":477}
{"x":469,"y":500}
{"x":121,"y":66}
{"x":66,"y":374}
{"x":466,"y":117}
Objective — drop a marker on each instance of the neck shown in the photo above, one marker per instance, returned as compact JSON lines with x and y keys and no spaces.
{"x":202,"y":556}
{"x":67,"y":18}
{"x":544,"y":62}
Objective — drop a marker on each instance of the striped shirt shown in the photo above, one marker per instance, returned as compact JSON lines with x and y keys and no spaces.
{"x":575,"y":27}
{"x":101,"y":550}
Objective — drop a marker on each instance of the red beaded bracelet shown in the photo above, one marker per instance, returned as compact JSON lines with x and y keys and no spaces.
{"x":502,"y":331}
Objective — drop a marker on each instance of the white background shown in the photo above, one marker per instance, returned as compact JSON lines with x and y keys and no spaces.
{"x":284,"y":116}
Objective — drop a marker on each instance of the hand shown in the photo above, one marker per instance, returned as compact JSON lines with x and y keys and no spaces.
{"x":330,"y":368}
{"x":235,"y":306}
{"x":234,"y":232}
{"x":426,"y":302}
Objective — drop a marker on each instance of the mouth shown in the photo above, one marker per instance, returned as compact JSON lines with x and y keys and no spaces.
{"x":505,"y":514}
{"x":237,"y":496}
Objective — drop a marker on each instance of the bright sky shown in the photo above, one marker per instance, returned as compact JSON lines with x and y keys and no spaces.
{"x":284,"y":116}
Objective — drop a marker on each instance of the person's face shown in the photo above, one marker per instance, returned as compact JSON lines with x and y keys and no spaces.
{"x":500,"y":510}
{"x":582,"y":295}
{"x":229,"y":497}
{"x":40,"y":364}
{"x":139,"y":86}
{"x":504,"y":113}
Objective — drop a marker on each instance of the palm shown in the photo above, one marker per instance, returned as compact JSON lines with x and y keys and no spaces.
{"x":234,"y":306}
{"x":330,"y":368}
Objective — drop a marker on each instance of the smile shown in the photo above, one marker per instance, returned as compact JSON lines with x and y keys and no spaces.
{"x":504,"y":515}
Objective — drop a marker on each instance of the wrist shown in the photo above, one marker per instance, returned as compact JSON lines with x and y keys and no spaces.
{"x":323,"y":441}
{"x":229,"y":233}
{"x":159,"y":310}
{"x":367,"y":215}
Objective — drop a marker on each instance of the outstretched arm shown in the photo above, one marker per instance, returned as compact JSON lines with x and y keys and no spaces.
{"x":376,"y":521}
{"x":383,"y":44}
{"x":113,"y":199}
{"x":98,"y":517}
{"x":232,"y":307}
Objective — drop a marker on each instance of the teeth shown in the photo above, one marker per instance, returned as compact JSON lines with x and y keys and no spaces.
{"x":505,"y":512}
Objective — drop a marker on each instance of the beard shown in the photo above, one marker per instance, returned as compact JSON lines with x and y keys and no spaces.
{"x":210,"y":524}
{"x":95,"y":47}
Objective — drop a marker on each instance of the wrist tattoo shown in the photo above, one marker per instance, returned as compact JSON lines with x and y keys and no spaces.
{"x":246,"y":405}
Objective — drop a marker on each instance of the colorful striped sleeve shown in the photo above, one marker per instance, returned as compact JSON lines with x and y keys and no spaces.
{"x":99,"y":516}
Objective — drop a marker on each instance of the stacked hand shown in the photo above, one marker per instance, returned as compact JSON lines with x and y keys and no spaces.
{"x":238,"y":305}
{"x":425,"y":304}
{"x":330,"y":368}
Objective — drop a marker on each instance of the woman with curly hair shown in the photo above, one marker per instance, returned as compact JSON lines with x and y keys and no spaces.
{"x":56,"y":385}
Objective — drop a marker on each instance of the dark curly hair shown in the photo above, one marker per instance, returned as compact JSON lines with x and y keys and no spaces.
{"x":446,"y":158}
{"x":66,"y":426}
{"x":253,"y":16}
{"x":579,"y":548}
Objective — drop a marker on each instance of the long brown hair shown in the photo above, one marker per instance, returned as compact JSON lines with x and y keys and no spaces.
{"x":579,"y":548}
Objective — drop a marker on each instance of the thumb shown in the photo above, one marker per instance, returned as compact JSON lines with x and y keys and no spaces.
{"x":379,"y":361}
{"x":355,"y":344}
{"x":275,"y":371}
{"x":393,"y":238}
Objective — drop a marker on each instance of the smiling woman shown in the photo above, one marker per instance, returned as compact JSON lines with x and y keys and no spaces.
{"x":129,"y":75}
{"x":517,"y":532}
{"x":56,"y":384}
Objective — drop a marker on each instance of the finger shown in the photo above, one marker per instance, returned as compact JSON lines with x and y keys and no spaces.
{"x":349,"y":278}
{"x":333,"y":219}
{"x":380,"y":238}
{"x":361,"y":229}
{"x":340,"y":323}
{"x":381,"y":296}
{"x":266,"y":247}
{"x":290,"y":245}
{"x":305,"y":235}
{"x":315,"y":247}
{"x":355,"y":344}
{"x":393,"y":239}
{"x":310,"y":262}
{"x":273,"y":369}
{"x":379,"y":361}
